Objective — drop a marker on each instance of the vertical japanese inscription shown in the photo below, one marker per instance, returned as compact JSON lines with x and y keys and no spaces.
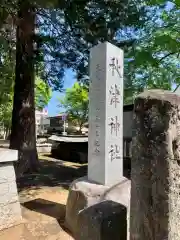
{"x":114,"y":152}
{"x":114,"y":96}
{"x":98,"y":71}
{"x":97,"y":135}
{"x":115,"y":67}
{"x":114,"y":125}
{"x":97,"y":118}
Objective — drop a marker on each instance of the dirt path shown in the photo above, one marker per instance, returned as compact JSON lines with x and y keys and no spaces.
{"x":43,"y":198}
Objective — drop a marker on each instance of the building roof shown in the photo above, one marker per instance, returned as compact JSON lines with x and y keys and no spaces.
{"x":129,"y":107}
{"x":126,"y":108}
{"x":58,"y":116}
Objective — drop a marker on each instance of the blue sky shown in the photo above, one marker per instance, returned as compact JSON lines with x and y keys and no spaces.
{"x":69,"y":80}
{"x":52,"y":107}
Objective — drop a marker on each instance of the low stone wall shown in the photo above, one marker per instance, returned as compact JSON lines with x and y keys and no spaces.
{"x":10,"y":211}
{"x":71,"y":151}
{"x":44,"y":147}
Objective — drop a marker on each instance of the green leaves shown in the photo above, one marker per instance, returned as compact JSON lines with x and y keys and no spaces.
{"x":155,"y":55}
{"x":6,"y":90}
{"x":76,"y":103}
{"x":147,"y":31}
{"x":43,"y":93}
{"x":157,"y":2}
{"x":76,"y":26}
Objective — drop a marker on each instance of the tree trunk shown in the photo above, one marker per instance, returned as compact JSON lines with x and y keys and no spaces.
{"x":80,"y":128}
{"x":23,"y":137}
{"x":6,"y":130}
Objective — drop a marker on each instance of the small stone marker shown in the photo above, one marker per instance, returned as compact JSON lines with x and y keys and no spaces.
{"x":10,"y":210}
{"x":155,"y":172}
{"x":105,"y":220}
{"x":105,"y":153}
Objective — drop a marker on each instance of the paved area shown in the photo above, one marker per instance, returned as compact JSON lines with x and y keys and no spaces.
{"x":43,"y":198}
{"x":43,"y":216}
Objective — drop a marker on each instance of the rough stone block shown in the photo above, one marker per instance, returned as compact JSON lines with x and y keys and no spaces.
{"x":155,"y":174}
{"x":84,"y":194}
{"x":10,"y":215}
{"x":103,"y":221}
{"x":8,"y":155}
{"x":10,"y":211}
{"x":8,"y":193}
{"x":7,"y":173}
{"x":44,"y":147}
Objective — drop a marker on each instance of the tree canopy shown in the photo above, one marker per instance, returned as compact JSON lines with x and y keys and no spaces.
{"x":148,"y":31}
{"x":42,"y":96}
{"x":66,"y":30}
{"x":43,"y":93}
{"x":75,"y":102}
{"x":154,"y":58}
{"x":59,"y":34}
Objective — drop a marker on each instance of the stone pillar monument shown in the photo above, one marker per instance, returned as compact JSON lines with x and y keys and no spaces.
{"x":155,"y":174}
{"x":105,"y":153}
{"x":97,"y":204}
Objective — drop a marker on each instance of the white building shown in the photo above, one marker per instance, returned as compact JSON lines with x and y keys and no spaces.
{"x":42,"y":121}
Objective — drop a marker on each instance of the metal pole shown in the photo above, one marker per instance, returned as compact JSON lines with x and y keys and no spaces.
{"x":64,"y":132}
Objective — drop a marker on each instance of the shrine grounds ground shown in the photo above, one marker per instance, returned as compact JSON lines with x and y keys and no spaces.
{"x":43,"y":199}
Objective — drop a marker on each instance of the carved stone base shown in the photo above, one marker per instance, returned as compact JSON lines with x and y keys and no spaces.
{"x":84,"y":194}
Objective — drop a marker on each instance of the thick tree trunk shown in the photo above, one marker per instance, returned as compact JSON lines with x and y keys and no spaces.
{"x":23,"y":137}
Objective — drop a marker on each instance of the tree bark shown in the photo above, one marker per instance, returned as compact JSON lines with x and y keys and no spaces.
{"x":23,"y":137}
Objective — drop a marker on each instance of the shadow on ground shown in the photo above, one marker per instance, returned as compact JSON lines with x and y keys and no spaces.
{"x":49,"y":208}
{"x":46,"y":207}
{"x":53,"y":173}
